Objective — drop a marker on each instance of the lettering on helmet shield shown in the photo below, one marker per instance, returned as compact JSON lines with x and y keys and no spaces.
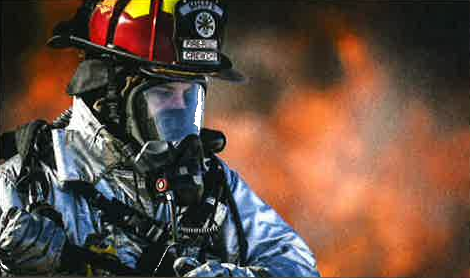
{"x":200,"y":44}
{"x":200,"y":56}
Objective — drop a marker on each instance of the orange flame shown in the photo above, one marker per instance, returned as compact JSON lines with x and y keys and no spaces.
{"x":365,"y":177}
{"x":371,"y":191}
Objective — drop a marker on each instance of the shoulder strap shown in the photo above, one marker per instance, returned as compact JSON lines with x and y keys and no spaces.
{"x":214,"y":142}
{"x":242,"y":241}
{"x":228,"y":197}
{"x":26,"y":137}
{"x":20,"y":141}
{"x":30,"y":141}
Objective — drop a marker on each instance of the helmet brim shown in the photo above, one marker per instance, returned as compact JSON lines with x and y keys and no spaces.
{"x":224,"y":71}
{"x":229,"y":75}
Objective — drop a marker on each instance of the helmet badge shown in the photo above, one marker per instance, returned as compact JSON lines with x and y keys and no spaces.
{"x":205,"y":24}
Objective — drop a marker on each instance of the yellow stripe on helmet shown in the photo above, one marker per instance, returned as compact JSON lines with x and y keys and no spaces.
{"x":138,"y":8}
{"x":106,"y":6}
{"x":168,"y":6}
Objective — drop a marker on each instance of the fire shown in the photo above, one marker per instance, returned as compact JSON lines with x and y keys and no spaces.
{"x":367,"y":177}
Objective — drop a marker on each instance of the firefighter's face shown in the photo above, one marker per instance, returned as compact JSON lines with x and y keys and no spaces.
{"x":171,"y":111}
{"x":168,"y":96}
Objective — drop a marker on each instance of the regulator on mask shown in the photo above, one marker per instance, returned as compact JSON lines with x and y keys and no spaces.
{"x":166,"y":119}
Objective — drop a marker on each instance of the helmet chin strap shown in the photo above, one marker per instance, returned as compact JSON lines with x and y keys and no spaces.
{"x":113,"y":102}
{"x":112,"y":96}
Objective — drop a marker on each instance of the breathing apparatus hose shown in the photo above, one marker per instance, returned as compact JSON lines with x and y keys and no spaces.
{"x":200,"y":231}
{"x":63,"y":119}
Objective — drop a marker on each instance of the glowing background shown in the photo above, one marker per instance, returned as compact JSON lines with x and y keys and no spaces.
{"x":354,"y":125}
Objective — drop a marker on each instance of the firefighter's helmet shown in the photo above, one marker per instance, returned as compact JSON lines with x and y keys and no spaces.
{"x":162,"y":37}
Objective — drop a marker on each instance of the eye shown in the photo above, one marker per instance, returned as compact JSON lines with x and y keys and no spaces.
{"x":163,"y":95}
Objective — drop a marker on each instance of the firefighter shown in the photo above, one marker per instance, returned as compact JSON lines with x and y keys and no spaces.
{"x":128,"y":181}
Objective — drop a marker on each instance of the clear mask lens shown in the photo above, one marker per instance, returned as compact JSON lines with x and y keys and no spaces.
{"x":171,"y":111}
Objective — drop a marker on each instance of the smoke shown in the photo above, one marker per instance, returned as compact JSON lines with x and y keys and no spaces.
{"x":44,"y":73}
{"x":350,"y":151}
{"x":365,"y":172}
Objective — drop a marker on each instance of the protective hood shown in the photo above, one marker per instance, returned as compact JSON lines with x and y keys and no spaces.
{"x":90,"y":75}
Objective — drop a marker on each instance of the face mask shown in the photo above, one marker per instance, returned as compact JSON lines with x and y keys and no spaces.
{"x":168,"y":112}
{"x":167,"y":120}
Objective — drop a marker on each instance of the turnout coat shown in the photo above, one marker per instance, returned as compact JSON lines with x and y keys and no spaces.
{"x":85,"y":151}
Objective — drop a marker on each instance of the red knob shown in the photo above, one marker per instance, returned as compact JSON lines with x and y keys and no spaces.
{"x":161,"y":185}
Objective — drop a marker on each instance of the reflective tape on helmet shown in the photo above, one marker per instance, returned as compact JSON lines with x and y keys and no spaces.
{"x":138,"y":8}
{"x":168,"y":6}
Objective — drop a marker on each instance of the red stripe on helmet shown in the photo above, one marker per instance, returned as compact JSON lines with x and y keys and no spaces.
{"x":133,"y":34}
{"x":164,"y":50}
{"x":99,"y":25}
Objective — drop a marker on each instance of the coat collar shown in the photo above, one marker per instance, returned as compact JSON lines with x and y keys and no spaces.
{"x":84,"y":150}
